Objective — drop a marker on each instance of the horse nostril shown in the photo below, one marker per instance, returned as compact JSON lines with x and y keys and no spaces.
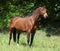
{"x":46,"y":14}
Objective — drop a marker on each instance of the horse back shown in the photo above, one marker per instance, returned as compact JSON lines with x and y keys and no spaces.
{"x":12,"y":21}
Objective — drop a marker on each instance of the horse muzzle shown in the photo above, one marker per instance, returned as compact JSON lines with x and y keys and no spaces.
{"x":45,"y":15}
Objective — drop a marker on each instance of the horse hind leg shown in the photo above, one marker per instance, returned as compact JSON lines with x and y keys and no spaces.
{"x":18,"y":38}
{"x":10,"y":36}
{"x":14,"y":35}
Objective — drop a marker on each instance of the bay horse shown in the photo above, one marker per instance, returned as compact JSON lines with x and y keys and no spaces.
{"x":26,"y":24}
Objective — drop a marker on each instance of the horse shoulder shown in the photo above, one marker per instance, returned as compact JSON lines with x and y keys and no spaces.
{"x":29,"y":24}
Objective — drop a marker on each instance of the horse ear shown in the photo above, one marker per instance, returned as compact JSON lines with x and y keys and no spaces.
{"x":44,"y":6}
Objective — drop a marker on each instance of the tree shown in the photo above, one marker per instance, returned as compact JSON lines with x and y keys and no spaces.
{"x":11,"y":8}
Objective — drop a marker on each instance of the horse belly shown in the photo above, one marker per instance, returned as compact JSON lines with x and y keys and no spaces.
{"x":21,"y":26}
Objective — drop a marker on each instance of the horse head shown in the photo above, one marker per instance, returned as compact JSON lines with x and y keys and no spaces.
{"x":43,"y":11}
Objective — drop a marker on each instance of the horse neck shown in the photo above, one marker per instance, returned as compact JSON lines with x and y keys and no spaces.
{"x":36,"y":15}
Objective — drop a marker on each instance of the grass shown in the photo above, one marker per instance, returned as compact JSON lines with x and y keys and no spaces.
{"x":41,"y":43}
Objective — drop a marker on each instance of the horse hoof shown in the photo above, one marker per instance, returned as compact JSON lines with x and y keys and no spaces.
{"x":30,"y":45}
{"x":17,"y":44}
{"x":8,"y":43}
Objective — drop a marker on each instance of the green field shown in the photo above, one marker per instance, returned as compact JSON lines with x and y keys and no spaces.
{"x":41,"y":43}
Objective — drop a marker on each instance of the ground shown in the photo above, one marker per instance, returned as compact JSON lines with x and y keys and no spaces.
{"x":41,"y":42}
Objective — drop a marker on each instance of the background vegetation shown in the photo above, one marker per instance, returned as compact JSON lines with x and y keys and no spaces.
{"x":11,"y":8}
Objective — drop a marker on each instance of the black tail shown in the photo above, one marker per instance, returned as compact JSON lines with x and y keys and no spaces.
{"x":14,"y":35}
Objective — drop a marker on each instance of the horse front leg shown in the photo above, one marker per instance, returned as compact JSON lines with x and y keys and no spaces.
{"x":28,"y":37}
{"x":32,"y":35}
